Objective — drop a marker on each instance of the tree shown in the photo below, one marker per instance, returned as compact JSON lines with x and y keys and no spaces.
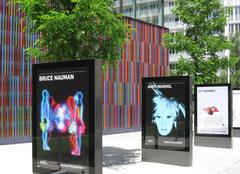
{"x":75,"y":29}
{"x":203,"y":39}
{"x":235,"y":68}
{"x":235,"y":40}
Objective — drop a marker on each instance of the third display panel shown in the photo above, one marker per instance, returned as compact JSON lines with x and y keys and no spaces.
{"x":213,"y":110}
{"x":236,"y":108}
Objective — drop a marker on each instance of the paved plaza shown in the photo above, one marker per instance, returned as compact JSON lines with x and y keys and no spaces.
{"x":122,"y":155}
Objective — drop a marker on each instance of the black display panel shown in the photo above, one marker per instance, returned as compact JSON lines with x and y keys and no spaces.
{"x":213,"y":110}
{"x":63,"y":117}
{"x":166,"y":113}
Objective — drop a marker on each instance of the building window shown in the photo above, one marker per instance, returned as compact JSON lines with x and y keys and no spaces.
{"x":171,"y":4}
{"x":143,"y":9}
{"x":231,"y":30}
{"x":173,"y":66}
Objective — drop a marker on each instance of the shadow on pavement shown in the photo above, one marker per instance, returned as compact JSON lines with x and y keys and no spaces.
{"x":113,"y":156}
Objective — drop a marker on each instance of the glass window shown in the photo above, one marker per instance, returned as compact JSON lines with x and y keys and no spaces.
{"x":146,"y":10}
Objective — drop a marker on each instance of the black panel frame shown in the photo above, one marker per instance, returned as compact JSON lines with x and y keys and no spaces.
{"x":174,"y":157}
{"x":229,"y":135}
{"x":214,"y":140}
{"x":95,"y":113}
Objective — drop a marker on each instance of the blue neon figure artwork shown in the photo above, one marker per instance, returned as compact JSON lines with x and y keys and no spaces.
{"x":165,"y":112}
{"x":45,"y":118}
{"x":78,"y":97}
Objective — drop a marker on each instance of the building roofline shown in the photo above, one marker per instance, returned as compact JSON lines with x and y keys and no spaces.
{"x":146,"y":22}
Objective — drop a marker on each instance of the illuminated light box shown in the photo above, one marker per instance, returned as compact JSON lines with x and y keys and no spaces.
{"x":236,"y":108}
{"x":166,"y":120}
{"x":236,"y":112}
{"x":67,"y":117}
{"x":213,"y":119}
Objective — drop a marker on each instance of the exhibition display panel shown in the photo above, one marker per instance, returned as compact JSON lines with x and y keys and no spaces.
{"x":236,"y":112}
{"x":213,"y":115}
{"x":67,"y":117}
{"x":166,"y":120}
{"x":236,"y":108}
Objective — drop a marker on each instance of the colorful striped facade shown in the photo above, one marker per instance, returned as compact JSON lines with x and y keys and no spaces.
{"x":143,"y":56}
{"x":15,"y":77}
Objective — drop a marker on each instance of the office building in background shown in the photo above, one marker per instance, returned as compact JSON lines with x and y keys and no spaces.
{"x":159,"y":12}
{"x":147,"y":10}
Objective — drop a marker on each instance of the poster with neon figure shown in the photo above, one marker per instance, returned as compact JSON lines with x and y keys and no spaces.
{"x":64,"y":117}
{"x":62,"y":126}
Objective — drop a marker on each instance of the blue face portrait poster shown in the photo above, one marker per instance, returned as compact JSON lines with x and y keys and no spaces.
{"x":165,"y":114}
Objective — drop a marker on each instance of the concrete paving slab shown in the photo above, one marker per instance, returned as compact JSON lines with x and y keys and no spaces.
{"x":122,"y":155}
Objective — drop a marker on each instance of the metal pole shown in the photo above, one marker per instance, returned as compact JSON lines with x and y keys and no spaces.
{"x":121,"y":6}
{"x":161,"y":13}
{"x":228,"y":54}
{"x":229,"y":73}
{"x":135,"y":8}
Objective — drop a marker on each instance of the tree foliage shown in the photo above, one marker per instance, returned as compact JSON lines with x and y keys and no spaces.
{"x":234,"y":78}
{"x":203,"y":39}
{"x":235,"y":67}
{"x":235,"y":40}
{"x":75,"y":29}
